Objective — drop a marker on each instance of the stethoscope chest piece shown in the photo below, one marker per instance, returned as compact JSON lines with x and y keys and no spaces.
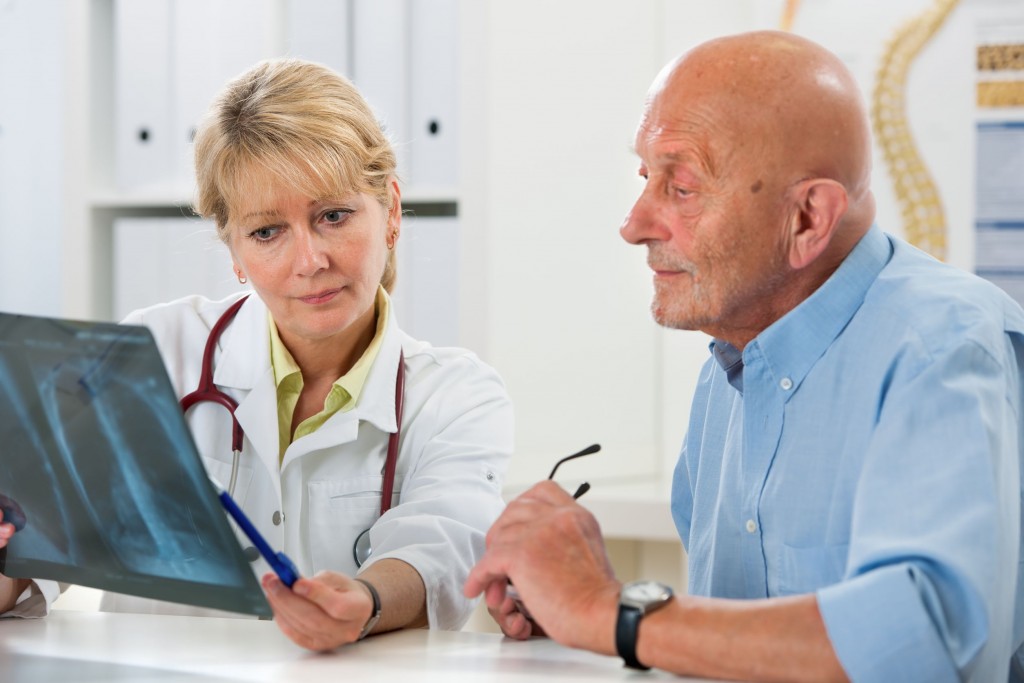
{"x":361,"y":549}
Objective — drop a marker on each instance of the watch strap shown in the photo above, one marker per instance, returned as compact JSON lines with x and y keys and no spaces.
{"x":375,"y":614}
{"x":627,"y":627}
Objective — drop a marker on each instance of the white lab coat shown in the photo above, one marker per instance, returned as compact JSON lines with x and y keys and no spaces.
{"x":455,"y":444}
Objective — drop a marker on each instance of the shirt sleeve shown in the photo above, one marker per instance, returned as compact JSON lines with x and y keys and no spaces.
{"x":452,"y":494}
{"x":36,"y":600}
{"x":930,"y":582}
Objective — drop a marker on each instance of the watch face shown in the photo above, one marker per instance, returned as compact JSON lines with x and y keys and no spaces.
{"x":644,"y":594}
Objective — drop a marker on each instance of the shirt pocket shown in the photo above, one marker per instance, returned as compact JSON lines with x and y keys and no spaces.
{"x":339,"y":511}
{"x":805,"y":570}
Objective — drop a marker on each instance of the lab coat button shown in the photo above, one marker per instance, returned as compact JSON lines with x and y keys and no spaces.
{"x":751,"y":526}
{"x":490,"y":475}
{"x":251,"y":554}
{"x":277,"y":518}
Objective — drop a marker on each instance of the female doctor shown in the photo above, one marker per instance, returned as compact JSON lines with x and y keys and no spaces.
{"x":300,"y":180}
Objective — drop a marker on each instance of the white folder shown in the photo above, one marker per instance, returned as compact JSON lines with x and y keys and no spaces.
{"x":213,"y":43}
{"x":426,"y":295}
{"x":162,"y":259}
{"x":434,"y":93}
{"x":380,"y":51}
{"x":318,"y":30}
{"x":142,"y":109}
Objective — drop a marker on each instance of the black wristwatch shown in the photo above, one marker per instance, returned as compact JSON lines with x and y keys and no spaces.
{"x":636,"y":600}
{"x":375,"y":614}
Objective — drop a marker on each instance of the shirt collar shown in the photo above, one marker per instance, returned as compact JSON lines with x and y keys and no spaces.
{"x":349,"y":385}
{"x":792,"y":344}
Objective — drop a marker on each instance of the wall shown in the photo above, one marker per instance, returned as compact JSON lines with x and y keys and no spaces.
{"x":565,"y":318}
{"x":561,"y":302}
{"x":31,"y":155}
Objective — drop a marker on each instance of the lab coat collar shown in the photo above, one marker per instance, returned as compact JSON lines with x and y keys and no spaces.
{"x":244,"y":364}
{"x":244,"y":348}
{"x":376,"y":404}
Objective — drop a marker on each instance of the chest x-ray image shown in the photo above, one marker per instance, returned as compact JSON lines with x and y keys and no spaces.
{"x":97,"y":458}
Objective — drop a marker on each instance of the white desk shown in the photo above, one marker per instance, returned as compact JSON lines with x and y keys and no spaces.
{"x":75,"y":647}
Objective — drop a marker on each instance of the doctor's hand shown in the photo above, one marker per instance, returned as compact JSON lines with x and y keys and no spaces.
{"x":322,"y":612}
{"x":551,"y":549}
{"x":10,"y":588}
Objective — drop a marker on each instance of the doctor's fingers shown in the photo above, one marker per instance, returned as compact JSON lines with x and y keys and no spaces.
{"x":305,"y":622}
{"x":6,"y":531}
{"x":338,"y":596}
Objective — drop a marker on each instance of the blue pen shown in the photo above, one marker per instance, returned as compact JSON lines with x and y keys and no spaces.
{"x":279,"y":562}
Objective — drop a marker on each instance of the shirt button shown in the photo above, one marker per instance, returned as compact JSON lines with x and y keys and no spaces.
{"x":277,"y":518}
{"x":786,"y":383}
{"x":751,"y":526}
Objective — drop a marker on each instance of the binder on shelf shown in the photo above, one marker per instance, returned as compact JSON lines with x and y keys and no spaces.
{"x":426,"y":295}
{"x":380,"y":52}
{"x":434,"y":96}
{"x":142,"y":108}
{"x":318,"y":30}
{"x":162,"y":259}
{"x":212,"y":43}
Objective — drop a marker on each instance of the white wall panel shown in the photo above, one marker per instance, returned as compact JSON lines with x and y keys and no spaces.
{"x":31,"y":155}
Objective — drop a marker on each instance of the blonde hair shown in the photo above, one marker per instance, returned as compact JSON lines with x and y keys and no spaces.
{"x":300,"y":123}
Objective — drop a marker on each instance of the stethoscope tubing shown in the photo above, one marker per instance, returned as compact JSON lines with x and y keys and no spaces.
{"x":208,"y":391}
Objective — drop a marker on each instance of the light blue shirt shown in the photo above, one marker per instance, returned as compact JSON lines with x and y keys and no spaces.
{"x":866,"y":448}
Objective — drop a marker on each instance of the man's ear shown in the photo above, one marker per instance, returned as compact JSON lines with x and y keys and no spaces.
{"x":819,"y":206}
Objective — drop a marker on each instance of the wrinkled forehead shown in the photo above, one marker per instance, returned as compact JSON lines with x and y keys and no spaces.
{"x":676,"y":130}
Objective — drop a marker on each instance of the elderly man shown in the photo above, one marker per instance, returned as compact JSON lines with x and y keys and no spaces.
{"x":849,"y":490}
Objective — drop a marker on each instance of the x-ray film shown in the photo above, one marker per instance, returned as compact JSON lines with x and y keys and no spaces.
{"x":96,"y":458}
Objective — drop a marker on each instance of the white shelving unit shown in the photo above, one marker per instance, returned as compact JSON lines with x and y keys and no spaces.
{"x":92,"y":199}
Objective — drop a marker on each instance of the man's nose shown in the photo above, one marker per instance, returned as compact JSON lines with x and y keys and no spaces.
{"x":643,"y":222}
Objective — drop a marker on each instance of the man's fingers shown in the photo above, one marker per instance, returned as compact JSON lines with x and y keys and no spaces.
{"x":483,"y":576}
{"x":517,"y":626}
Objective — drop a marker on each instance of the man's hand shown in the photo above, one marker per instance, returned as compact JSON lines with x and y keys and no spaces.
{"x":551,"y":549}
{"x":513,"y":619}
{"x":322,"y":612}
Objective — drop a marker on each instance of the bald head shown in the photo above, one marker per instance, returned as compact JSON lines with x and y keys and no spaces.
{"x":778,"y":102}
{"x":756,"y":156}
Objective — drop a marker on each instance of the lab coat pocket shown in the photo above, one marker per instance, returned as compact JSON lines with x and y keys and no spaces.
{"x":805,"y":570}
{"x":339,"y":511}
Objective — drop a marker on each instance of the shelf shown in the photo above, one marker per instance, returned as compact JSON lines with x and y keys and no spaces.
{"x":628,"y":509}
{"x":148,"y":200}
{"x":110,"y":199}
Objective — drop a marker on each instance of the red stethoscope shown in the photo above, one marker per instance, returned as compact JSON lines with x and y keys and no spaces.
{"x":208,"y":391}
